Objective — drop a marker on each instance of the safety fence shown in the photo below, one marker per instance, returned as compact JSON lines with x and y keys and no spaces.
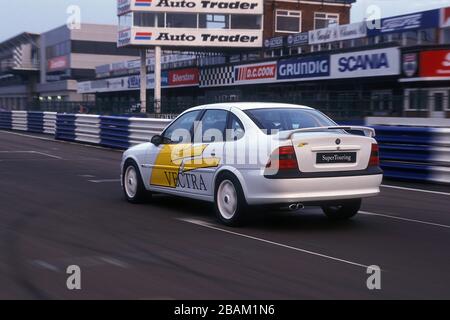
{"x":107,"y":131}
{"x":409,"y":153}
{"x":415,"y":153}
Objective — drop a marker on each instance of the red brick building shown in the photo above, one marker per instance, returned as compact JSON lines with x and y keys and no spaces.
{"x":284,"y":17}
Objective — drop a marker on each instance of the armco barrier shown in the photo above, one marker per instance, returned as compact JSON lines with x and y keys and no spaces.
{"x":6,"y":120}
{"x":114,"y":132}
{"x":20,"y":120}
{"x":411,"y":153}
{"x":415,"y":153}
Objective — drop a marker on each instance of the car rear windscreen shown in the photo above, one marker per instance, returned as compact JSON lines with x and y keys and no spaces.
{"x":279,"y":119}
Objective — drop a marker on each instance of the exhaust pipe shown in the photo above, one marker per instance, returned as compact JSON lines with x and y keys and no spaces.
{"x":296,"y":206}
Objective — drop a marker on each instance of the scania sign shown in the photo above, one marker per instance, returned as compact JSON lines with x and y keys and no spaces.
{"x":243,"y":6}
{"x":371,"y":63}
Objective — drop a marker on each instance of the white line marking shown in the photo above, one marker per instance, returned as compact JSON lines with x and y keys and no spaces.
{"x":404,"y":219}
{"x":47,"y":154}
{"x":417,"y":190}
{"x":210,"y":226}
{"x":45,"y":265}
{"x":86,"y":176}
{"x":105,"y":181}
{"x":35,"y":152}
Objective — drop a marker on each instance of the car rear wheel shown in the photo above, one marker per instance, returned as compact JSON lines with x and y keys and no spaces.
{"x":230,"y":204}
{"x":342,"y":210}
{"x":133,"y":186}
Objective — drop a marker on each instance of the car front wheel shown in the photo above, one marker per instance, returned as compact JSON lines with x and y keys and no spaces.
{"x":342,"y":210}
{"x":133,"y":186}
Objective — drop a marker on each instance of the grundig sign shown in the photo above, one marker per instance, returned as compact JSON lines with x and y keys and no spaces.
{"x":243,"y":7}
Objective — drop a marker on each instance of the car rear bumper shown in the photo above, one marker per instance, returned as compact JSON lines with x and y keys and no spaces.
{"x":260,"y":190}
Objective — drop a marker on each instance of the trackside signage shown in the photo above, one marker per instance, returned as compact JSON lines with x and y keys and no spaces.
{"x":371,"y":63}
{"x":304,"y":68}
{"x":191,"y":37}
{"x":338,"y":33}
{"x":255,"y":73}
{"x":123,"y":6}
{"x":194,"y":6}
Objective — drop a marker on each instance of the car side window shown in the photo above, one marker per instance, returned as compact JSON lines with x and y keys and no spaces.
{"x":236,"y":129}
{"x":180,"y":130}
{"x":213,"y":125}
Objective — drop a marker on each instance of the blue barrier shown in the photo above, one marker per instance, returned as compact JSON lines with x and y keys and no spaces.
{"x":65,"y":127}
{"x":114,"y":132}
{"x":407,"y":153}
{"x":6,"y":120}
{"x":35,"y":122}
{"x":415,"y":153}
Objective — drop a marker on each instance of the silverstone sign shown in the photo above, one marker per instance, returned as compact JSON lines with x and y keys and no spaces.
{"x":196,"y":6}
{"x":192,"y":37}
{"x":371,"y":63}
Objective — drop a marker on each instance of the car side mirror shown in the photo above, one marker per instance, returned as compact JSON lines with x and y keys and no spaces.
{"x":157,"y":140}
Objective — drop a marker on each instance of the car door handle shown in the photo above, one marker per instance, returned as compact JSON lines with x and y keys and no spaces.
{"x":213,"y":154}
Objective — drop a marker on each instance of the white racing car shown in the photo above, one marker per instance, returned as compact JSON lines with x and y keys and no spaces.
{"x":238,"y":155}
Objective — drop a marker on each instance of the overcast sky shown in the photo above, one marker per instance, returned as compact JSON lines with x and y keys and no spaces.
{"x":17,"y":16}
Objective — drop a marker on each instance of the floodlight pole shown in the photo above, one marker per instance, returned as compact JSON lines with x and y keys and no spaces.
{"x":143,"y":82}
{"x":157,"y":95}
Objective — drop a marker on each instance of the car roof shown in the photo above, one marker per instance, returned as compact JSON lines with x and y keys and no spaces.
{"x":251,"y":105}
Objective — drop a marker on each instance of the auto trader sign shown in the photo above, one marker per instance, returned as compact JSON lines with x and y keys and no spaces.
{"x":192,"y":37}
{"x":205,"y":6}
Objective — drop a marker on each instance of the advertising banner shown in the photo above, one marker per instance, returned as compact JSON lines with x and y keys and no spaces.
{"x":338,"y":33}
{"x":255,"y":73}
{"x":273,"y":43}
{"x":304,"y":68}
{"x":435,"y":63}
{"x":298,"y":39}
{"x":169,"y":79}
{"x":410,"y":64}
{"x":421,"y":20}
{"x":58,"y":63}
{"x":445,"y":17}
{"x":194,"y":6}
{"x":123,"y":7}
{"x":371,"y":63}
{"x":191,"y":37}
{"x":184,"y":77}
{"x":124,"y":38}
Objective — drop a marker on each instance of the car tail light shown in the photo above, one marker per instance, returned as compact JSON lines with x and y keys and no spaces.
{"x":375,"y":156}
{"x":283,"y":158}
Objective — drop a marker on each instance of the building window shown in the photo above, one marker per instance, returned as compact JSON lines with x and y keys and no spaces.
{"x":445,"y":36}
{"x":125,"y":21}
{"x":417,"y":100}
{"x":58,"y":50}
{"x":148,"y":19}
{"x":427,"y":36}
{"x":214,"y":21}
{"x":382,"y":103}
{"x":288,"y":21}
{"x":181,"y":20}
{"x":325,"y":20}
{"x":245,"y":21}
{"x":410,"y":38}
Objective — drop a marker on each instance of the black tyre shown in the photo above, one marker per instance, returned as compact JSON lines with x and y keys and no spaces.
{"x":229,"y":201}
{"x":133,"y":186}
{"x":342,"y":210}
